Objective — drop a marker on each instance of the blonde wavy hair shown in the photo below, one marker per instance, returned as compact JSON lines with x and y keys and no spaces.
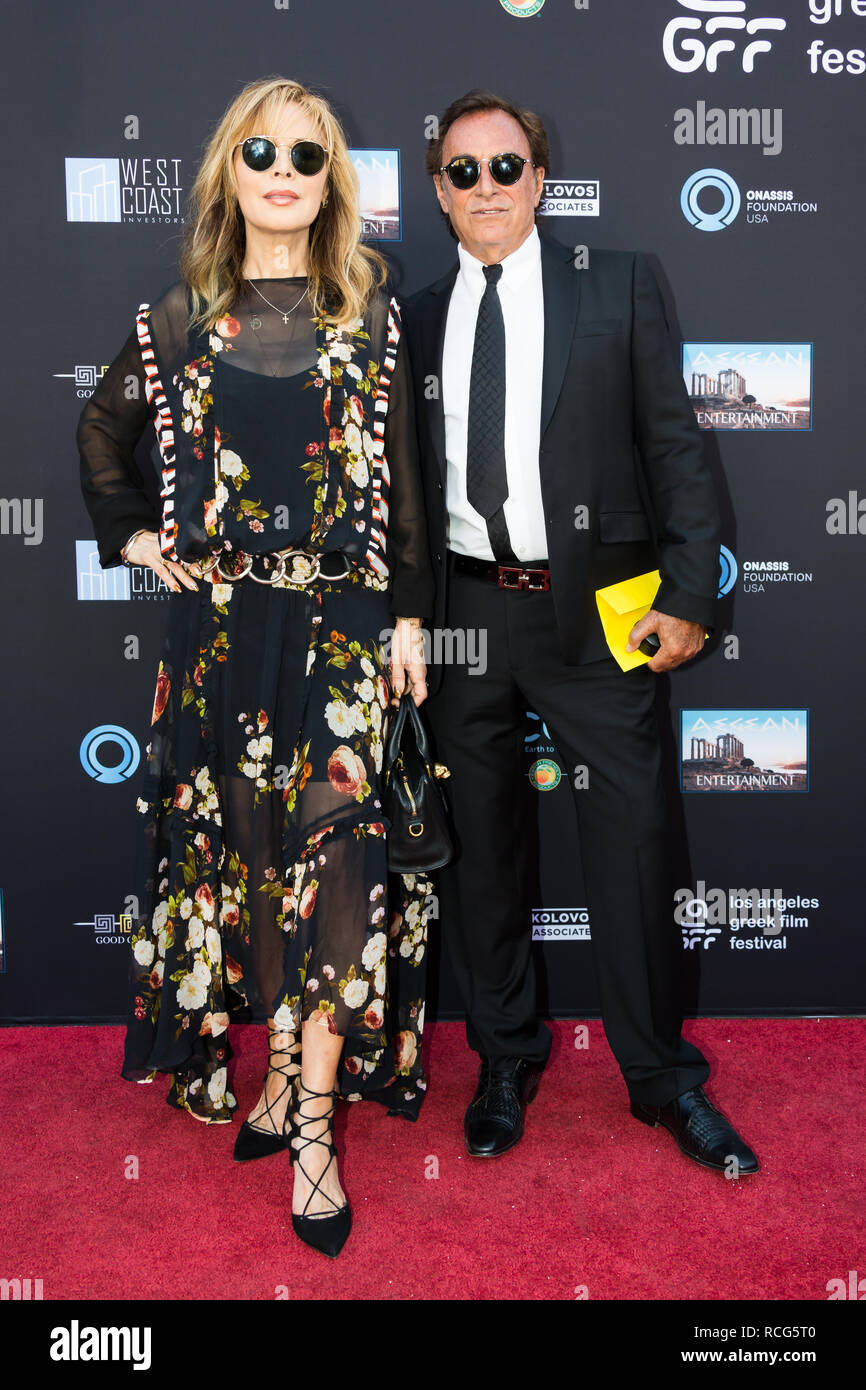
{"x":344,"y":274}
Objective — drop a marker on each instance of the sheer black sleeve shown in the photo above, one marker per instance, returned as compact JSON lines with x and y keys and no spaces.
{"x":109,"y":428}
{"x":411,"y":584}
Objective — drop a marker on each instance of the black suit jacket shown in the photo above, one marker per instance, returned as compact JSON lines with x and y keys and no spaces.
{"x":618,"y":437}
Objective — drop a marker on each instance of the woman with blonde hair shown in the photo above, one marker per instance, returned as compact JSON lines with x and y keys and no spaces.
{"x":291,"y":534}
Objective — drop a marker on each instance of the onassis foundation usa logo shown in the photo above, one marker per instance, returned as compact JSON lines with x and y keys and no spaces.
{"x":749,"y":386}
{"x":379,"y":176}
{"x":744,"y":750}
{"x":710,"y":200}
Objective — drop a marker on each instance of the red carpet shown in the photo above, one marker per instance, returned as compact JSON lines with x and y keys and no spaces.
{"x":590,"y":1197}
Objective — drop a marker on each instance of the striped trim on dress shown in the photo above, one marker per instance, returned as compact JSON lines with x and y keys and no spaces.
{"x":381,"y":477}
{"x":164,"y":427}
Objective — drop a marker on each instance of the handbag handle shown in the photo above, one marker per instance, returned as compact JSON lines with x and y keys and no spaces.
{"x":395,"y":737}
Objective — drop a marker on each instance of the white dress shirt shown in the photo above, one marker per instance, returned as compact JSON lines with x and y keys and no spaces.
{"x":522,"y":300}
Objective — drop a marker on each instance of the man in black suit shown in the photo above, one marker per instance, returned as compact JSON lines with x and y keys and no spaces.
{"x":560,"y":454}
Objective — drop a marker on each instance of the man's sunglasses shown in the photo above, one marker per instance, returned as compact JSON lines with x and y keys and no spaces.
{"x":259,"y":153}
{"x":464,"y":170}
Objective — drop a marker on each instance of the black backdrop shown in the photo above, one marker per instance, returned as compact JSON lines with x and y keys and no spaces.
{"x":101,"y":83}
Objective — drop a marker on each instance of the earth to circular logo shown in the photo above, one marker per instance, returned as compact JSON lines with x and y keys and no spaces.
{"x":522,"y":9}
{"x":545,"y":774}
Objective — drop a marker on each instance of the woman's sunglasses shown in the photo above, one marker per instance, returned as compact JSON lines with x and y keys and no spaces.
{"x":259,"y":153}
{"x":464,"y":170}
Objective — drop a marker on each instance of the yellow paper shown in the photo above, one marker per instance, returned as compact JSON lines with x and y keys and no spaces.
{"x":620,"y":606}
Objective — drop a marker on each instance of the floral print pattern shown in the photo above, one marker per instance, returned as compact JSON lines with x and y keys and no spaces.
{"x":266,"y":884}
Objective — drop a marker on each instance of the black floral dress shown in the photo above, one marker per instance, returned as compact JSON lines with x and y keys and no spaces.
{"x":263,"y":838}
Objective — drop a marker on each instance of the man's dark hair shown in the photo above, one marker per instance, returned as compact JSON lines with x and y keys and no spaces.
{"x":473,"y":101}
{"x":477,"y":100}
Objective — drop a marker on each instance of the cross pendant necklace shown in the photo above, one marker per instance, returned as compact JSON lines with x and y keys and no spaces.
{"x":284,"y":313}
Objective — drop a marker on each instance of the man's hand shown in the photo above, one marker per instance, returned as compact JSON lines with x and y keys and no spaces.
{"x":145,"y":551}
{"x":680,"y":639}
{"x":407,"y":659}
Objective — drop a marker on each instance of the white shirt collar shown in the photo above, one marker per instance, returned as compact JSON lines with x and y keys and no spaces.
{"x":516,"y":268}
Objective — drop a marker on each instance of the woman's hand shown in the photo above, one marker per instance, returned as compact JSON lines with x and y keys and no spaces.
{"x":145,"y":551}
{"x":408,"y":666}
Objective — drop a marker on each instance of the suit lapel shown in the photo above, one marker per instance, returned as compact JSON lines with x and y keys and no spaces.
{"x":561,"y":288}
{"x":433,"y":329}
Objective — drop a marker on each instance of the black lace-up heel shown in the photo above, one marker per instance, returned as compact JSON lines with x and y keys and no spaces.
{"x":327,"y":1231}
{"x":253,"y":1142}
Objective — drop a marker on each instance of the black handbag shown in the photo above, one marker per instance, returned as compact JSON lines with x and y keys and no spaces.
{"x":420,"y":834}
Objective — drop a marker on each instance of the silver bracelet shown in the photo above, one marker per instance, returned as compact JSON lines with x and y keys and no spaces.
{"x":125,"y":549}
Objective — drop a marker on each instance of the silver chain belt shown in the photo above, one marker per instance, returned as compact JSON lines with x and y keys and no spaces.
{"x":305,"y":567}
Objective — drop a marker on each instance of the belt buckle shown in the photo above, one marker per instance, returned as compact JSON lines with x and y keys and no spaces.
{"x":545,"y":579}
{"x":510,"y":569}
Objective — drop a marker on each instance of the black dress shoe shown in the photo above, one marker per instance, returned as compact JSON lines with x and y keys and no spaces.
{"x":494,"y":1120}
{"x":701,"y":1131}
{"x":253,"y":1141}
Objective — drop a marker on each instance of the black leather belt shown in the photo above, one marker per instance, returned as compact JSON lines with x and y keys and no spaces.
{"x":535,"y":574}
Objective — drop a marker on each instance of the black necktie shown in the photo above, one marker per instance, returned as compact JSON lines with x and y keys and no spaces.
{"x":486,"y":482}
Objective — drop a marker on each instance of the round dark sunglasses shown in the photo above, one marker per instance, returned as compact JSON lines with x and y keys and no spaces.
{"x":464,"y":170}
{"x":259,"y":153}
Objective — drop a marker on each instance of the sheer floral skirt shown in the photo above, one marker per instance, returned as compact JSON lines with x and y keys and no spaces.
{"x":262,"y":848}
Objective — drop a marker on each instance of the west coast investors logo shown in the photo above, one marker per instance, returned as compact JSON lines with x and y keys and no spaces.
{"x":744,"y":750}
{"x":560,"y":924}
{"x":709,"y":33}
{"x":95,"y":584}
{"x":379,"y":176}
{"x":710,"y":200}
{"x":570,"y":198}
{"x":127,"y":189}
{"x":749,"y":386}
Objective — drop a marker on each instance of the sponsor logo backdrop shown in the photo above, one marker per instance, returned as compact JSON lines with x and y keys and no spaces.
{"x":722,"y":138}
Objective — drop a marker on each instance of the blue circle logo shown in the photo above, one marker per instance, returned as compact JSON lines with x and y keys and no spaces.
{"x":695,"y":186}
{"x":89,"y":754}
{"x":727,"y":571}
